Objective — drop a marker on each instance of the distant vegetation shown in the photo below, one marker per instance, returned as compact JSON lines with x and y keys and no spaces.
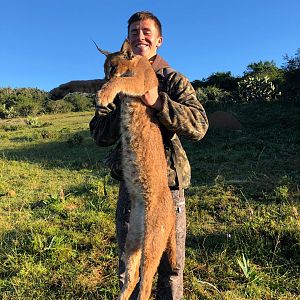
{"x":58,"y":201}
{"x":23,"y":102}
{"x":262,"y":81}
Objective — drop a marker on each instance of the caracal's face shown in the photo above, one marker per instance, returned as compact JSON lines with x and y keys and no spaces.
{"x":144,"y":38}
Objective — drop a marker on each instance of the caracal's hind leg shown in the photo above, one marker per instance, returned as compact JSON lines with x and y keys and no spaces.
{"x":171,"y":247}
{"x":133,"y":249}
{"x":154,"y":246}
{"x":133,"y":260}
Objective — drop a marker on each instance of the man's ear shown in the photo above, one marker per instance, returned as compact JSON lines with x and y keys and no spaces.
{"x":126,"y":49}
{"x":159,"y":42}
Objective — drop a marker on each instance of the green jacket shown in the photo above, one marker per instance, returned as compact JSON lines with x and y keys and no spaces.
{"x":181,"y":115}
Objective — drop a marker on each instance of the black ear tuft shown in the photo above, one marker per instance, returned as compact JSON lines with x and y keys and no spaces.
{"x":100,"y":50}
{"x":126,"y":49}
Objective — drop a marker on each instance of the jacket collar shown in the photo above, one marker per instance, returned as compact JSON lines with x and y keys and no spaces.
{"x":159,"y":63}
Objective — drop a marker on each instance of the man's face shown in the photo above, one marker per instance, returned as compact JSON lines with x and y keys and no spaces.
{"x":144,"y":38}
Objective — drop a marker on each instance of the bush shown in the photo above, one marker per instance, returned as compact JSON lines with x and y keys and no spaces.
{"x":257,"y":89}
{"x":30,"y":102}
{"x":291,"y":69}
{"x":80,"y":101}
{"x":75,"y":140}
{"x":28,"y":107}
{"x":214,"y":94}
{"x":222,"y":80}
{"x":21,"y":102}
{"x":72,"y":102}
{"x":11,"y":127}
{"x":59,"y":106}
{"x":33,"y":122}
{"x":201,"y":96}
{"x":264,"y":68}
{"x":7,"y":112}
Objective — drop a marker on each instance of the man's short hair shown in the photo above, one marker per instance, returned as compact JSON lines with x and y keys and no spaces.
{"x":144,"y":15}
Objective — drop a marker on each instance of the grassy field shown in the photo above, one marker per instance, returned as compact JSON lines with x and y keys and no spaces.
{"x":57,"y":203}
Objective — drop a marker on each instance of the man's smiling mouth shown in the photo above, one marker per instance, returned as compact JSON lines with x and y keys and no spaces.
{"x":141,"y":46}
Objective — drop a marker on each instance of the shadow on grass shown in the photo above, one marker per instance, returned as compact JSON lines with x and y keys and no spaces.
{"x":256,"y":160}
{"x":265,"y":247}
{"x":73,"y":151}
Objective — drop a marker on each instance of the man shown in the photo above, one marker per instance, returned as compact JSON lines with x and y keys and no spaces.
{"x":179,"y":113}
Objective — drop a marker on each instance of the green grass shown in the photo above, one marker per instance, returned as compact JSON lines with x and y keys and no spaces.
{"x":57,"y":204}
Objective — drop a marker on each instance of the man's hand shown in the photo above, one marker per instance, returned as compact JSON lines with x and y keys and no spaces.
{"x":152,"y":99}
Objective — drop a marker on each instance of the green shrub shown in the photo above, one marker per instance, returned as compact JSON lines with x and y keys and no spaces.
{"x":257,"y":89}
{"x":46,"y":134}
{"x":28,"y":107}
{"x":59,"y":106}
{"x":214,"y":94}
{"x":33,"y":122}
{"x":11,"y":127}
{"x":75,"y":140}
{"x":21,"y":102}
{"x":264,"y":68}
{"x":201,"y":95}
{"x":7,"y":112}
{"x":222,"y":80}
{"x":80,"y":101}
{"x":72,"y":102}
{"x":291,"y":68}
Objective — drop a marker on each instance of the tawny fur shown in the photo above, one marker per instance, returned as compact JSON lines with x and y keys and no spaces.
{"x":76,"y":86}
{"x":152,"y":218}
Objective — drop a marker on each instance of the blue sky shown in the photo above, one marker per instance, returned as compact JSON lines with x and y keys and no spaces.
{"x":46,"y":43}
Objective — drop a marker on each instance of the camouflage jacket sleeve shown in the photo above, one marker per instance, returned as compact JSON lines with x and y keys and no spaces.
{"x":105,"y":125}
{"x":181,"y":112}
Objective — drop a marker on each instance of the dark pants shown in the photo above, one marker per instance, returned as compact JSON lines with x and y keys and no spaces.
{"x":169,"y":282}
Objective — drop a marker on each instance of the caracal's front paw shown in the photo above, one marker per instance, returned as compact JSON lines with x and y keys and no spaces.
{"x":105,"y":96}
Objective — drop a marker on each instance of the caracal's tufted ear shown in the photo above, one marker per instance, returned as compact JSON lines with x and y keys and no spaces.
{"x":126,"y":49}
{"x":100,"y":50}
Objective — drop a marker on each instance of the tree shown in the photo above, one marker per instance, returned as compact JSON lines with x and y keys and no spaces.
{"x":292,"y":63}
{"x":291,"y":69}
{"x":264,"y":68}
{"x":221,"y":80}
